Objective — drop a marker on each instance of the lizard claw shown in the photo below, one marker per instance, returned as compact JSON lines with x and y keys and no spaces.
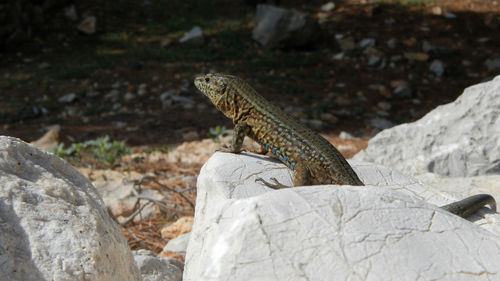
{"x":276,"y":185}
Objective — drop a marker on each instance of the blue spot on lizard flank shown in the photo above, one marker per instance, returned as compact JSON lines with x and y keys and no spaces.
{"x":273,"y":150}
{"x":292,"y":165}
{"x":267,"y":146}
{"x":285,"y":158}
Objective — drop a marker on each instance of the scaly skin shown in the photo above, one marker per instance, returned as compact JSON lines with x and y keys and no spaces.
{"x":312,"y":158}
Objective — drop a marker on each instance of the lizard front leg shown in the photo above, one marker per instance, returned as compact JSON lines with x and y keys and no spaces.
{"x":241,"y":130}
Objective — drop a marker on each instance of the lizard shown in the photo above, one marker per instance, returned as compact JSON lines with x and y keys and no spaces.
{"x":313,"y":159}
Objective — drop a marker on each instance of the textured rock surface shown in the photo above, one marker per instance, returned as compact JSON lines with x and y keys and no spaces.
{"x":154,"y":268}
{"x":458,"y":139}
{"x":179,"y":244}
{"x":276,"y":26}
{"x":382,"y":231}
{"x":53,"y":224}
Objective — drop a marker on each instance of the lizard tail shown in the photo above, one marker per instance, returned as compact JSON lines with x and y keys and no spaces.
{"x":470,"y":205}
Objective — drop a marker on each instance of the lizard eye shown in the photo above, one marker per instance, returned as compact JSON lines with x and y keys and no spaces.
{"x":207,"y":79}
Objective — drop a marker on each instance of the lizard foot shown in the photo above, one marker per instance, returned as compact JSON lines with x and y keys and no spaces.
{"x":276,"y":184}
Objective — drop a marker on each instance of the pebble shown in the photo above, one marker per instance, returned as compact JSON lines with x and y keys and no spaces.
{"x":327,"y":7}
{"x":367,"y":42}
{"x":142,"y":89}
{"x":437,"y":68}
{"x":384,"y":105}
{"x":403,"y":90}
{"x":328,"y":117}
{"x":493,"y":64}
{"x":68,"y":98}
{"x":373,"y":60}
{"x":345,"y":136}
{"x":381,"y":123}
{"x":392,"y":43}
{"x":128,"y":96}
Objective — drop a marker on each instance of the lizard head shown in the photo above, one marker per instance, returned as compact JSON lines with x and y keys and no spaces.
{"x":214,"y":87}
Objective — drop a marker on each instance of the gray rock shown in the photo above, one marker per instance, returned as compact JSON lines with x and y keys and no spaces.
{"x":88,"y":25}
{"x":327,"y":7}
{"x":68,"y":98}
{"x":493,"y":64}
{"x":381,"y":123}
{"x":367,"y":42}
{"x":169,"y":99}
{"x":374,"y":60}
{"x":459,"y":139}
{"x":54,"y":225}
{"x":154,"y":268}
{"x":274,"y":26}
{"x":178,"y":245}
{"x":392,"y":43}
{"x":403,"y":90}
{"x":193,"y":36}
{"x":246,"y":231}
{"x":437,"y":68}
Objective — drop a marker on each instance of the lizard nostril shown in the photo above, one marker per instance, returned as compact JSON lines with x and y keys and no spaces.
{"x":207,"y":79}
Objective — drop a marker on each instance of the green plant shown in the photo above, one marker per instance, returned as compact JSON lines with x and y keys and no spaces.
{"x":101,"y":149}
{"x":215,"y":133}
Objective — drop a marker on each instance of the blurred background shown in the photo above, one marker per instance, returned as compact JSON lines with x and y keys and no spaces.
{"x":106,"y":84}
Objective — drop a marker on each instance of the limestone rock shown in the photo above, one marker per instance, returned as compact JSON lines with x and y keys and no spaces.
{"x":459,"y":139}
{"x":53,"y":224}
{"x":178,"y":245}
{"x":194,"y":36}
{"x":154,"y":268}
{"x":88,"y":25}
{"x":274,"y":26}
{"x":382,"y":231}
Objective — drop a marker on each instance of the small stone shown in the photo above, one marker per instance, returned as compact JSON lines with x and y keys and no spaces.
{"x":392,"y":43}
{"x":328,"y":117}
{"x":169,"y":99}
{"x":87,"y":25}
{"x":416,"y":56}
{"x":493,"y":64}
{"x":449,"y":15}
{"x":70,"y":13}
{"x":346,"y":44}
{"x":43,"y":65}
{"x":128,"y":96}
{"x":437,"y":67}
{"x":345,"y":136}
{"x":181,"y":226}
{"x":373,"y":60}
{"x":142,"y":89}
{"x":316,"y":124}
{"x":68,"y":98}
{"x":92,"y":94}
{"x":194,"y":36}
{"x":384,"y":105}
{"x":367,"y":42}
{"x":437,"y":11}
{"x":403,"y":90}
{"x":327,"y":7}
{"x":381,"y":123}
{"x":190,"y":136}
{"x":116,"y":85}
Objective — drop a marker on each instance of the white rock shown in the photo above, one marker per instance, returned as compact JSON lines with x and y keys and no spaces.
{"x":194,"y":36}
{"x":459,"y":139}
{"x":327,"y":7}
{"x":154,"y":268}
{"x":275,"y":26}
{"x":245,"y":231}
{"x":54,"y":225}
{"x":68,"y":98}
{"x":88,"y":25}
{"x":179,"y":244}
